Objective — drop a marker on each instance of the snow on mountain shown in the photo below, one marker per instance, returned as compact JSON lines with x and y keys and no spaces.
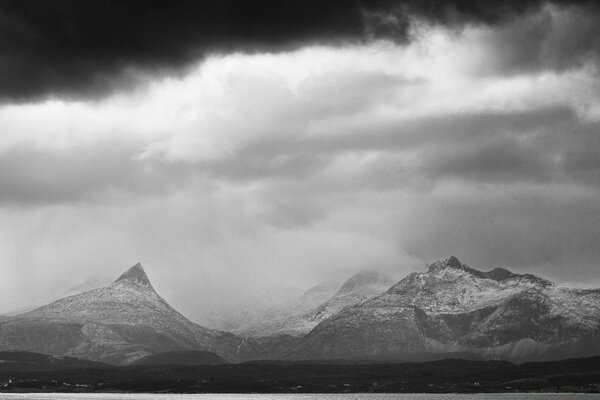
{"x":450,"y":308}
{"x":454,"y":308}
{"x":118,"y":323}
{"x":292,"y":318}
{"x":87,"y":284}
{"x":320,"y":302}
{"x":357,"y":288}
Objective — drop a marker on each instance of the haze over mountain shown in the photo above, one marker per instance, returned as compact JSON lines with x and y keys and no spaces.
{"x":318,"y":303}
{"x":235,"y":310}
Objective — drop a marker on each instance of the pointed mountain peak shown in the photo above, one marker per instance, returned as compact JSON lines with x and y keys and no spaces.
{"x":450,"y":262}
{"x":135,"y":274}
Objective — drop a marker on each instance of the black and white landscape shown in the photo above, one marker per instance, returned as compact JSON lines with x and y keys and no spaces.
{"x":295,"y":176}
{"x":449,"y":311}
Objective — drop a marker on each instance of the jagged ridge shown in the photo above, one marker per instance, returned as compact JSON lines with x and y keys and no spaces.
{"x":455,"y":308}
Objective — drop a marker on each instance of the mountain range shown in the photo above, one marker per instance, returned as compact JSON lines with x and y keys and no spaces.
{"x":450,"y":309}
{"x":453,"y":308}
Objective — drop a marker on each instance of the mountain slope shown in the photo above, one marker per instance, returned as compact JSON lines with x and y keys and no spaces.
{"x":118,"y":324}
{"x":454,"y":308}
{"x":357,"y":288}
{"x":320,"y":302}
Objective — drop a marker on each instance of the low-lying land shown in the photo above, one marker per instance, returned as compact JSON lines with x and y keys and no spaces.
{"x":452,"y":375}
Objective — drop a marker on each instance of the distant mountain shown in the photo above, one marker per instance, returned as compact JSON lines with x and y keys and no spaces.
{"x":291,"y":318}
{"x":181,"y":358}
{"x":28,"y":361}
{"x":117,"y":324}
{"x":453,"y":308}
{"x":357,"y":288}
{"x":319,"y":303}
{"x":238,"y":308}
{"x":87,"y":284}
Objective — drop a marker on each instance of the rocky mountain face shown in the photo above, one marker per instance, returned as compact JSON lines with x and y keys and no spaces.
{"x":453,"y":308}
{"x":318,"y":303}
{"x":117,"y":324}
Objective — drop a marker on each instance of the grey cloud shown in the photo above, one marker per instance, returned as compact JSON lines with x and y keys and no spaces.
{"x":290,"y":212}
{"x":492,"y":158}
{"x":550,"y":39}
{"x":581,"y":155}
{"x":399,"y":134}
{"x":484,"y":146}
{"x":552,"y":227}
{"x":30,"y":176}
{"x":540,"y":145}
{"x":243,"y":168}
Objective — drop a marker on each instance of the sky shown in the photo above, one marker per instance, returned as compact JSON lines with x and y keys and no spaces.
{"x":243,"y":151}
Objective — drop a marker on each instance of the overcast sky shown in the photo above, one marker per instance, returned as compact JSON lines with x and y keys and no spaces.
{"x":231,"y":146}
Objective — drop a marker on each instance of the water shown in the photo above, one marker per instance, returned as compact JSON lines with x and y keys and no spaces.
{"x":355,"y":396}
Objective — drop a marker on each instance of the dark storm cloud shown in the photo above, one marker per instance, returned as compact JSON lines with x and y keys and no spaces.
{"x":89,"y":48}
{"x":80,"y":47}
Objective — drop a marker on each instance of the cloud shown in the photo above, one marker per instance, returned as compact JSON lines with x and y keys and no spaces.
{"x":553,"y":38}
{"x":313,"y":162}
{"x":541,"y":227}
{"x":66,"y":48}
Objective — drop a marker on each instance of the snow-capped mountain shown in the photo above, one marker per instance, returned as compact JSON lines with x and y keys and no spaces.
{"x":319,"y":303}
{"x":453,"y":308}
{"x":450,"y":308}
{"x":118,"y":323}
